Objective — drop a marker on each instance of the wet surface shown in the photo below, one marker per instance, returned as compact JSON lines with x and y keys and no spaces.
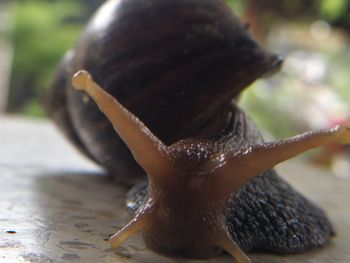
{"x":57,"y":207}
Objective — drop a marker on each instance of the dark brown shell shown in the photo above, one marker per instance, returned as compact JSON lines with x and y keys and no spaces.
{"x":174,"y":64}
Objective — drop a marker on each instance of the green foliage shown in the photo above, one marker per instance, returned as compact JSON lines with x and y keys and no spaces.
{"x":236,"y":5}
{"x":333,"y":9}
{"x":41,"y":36}
{"x":339,"y":78}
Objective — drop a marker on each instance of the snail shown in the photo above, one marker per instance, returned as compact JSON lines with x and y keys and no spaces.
{"x":162,"y":78}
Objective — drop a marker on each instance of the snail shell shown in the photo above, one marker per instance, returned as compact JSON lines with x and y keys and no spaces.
{"x":174,"y":64}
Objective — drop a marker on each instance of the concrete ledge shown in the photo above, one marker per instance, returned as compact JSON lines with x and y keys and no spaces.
{"x":58,"y":207}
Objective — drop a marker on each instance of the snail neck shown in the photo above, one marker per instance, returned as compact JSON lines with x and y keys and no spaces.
{"x":213,"y":125}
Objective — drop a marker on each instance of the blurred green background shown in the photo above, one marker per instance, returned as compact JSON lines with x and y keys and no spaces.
{"x":40,"y":33}
{"x":311,"y":92}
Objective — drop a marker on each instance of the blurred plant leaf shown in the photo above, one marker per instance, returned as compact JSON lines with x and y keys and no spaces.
{"x":43,"y":32}
{"x":236,"y":5}
{"x":333,"y":9}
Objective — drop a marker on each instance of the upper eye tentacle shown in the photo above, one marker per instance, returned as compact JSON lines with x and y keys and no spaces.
{"x":147,"y":149}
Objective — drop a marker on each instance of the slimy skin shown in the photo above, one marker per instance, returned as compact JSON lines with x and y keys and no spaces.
{"x":194,"y":183}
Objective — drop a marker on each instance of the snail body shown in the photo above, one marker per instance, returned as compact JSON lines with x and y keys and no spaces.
{"x":166,"y":85}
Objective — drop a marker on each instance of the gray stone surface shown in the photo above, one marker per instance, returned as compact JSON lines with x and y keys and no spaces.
{"x":56,"y":206}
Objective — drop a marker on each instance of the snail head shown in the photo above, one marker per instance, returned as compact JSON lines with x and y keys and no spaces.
{"x":191,"y":180}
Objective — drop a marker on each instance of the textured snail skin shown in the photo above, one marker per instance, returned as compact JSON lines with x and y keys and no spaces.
{"x":267,"y":213}
{"x":178,"y":71}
